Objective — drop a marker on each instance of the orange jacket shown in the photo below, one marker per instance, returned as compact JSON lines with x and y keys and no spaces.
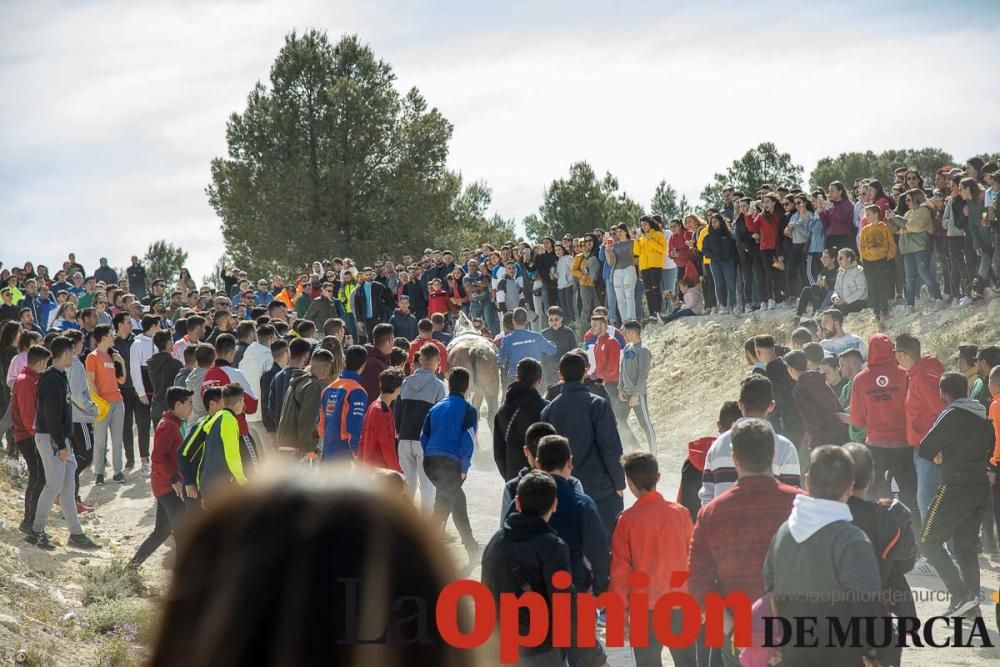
{"x":652,"y":536}
{"x":995,"y":418}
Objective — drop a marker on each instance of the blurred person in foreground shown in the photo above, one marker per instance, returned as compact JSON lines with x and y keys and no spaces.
{"x":334,"y":561}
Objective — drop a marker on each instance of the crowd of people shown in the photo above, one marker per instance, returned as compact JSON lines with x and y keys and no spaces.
{"x":345,"y":365}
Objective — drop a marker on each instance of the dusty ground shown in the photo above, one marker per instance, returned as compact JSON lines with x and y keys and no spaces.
{"x":698,"y":365}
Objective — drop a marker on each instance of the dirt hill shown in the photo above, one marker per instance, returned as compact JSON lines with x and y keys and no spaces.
{"x":76,"y":608}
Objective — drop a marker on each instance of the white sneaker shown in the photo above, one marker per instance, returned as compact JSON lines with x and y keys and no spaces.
{"x":145,"y":470}
{"x":771,"y":305}
{"x":723,"y":310}
{"x":963,"y":302}
{"x":763,"y":305}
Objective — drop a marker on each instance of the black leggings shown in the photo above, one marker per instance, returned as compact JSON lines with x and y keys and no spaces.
{"x":961,"y":279}
{"x":83,"y":449}
{"x":877,"y":274}
{"x":36,"y":477}
{"x":795,"y":269}
{"x":814,"y":295}
{"x":169,"y":519}
{"x":853,"y":307}
{"x":652,"y":278}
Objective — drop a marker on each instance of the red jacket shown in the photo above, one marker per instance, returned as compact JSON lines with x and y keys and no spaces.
{"x":767,"y":226}
{"x":167,"y":440}
{"x":439,"y":301}
{"x":923,"y":398}
{"x":652,"y":536}
{"x":878,"y":395}
{"x":607,"y":358}
{"x":418,"y":343}
{"x":23,"y":398}
{"x":378,"y":437}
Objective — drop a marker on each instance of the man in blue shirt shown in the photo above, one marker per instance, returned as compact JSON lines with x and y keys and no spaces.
{"x":263,"y":296}
{"x":448,"y":439}
{"x":522,"y":343}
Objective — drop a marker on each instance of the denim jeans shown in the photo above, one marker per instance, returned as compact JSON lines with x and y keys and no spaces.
{"x":449,"y":499}
{"x":919,"y":264}
{"x":612,"y":300}
{"x":928,"y":479}
{"x":111,"y":427}
{"x":485,"y":310}
{"x":724,"y":276}
{"x":624,"y":281}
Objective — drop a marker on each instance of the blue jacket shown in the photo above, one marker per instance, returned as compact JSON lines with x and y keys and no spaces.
{"x":342,"y":411}
{"x":450,"y":430}
{"x":580,"y":526}
{"x":520,"y":344}
{"x":587,"y":421}
{"x":262,"y":298}
{"x":404,"y":325}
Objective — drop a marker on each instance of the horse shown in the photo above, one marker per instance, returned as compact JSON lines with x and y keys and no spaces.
{"x":477,"y":354}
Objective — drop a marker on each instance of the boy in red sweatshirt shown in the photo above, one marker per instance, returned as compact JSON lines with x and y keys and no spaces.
{"x":165,"y":477}
{"x":652,"y":537}
{"x":378,"y":430}
{"x":24,"y":395}
{"x":923,"y":405}
{"x":878,"y":403}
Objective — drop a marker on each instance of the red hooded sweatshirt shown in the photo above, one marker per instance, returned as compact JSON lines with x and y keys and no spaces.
{"x":378,"y":437}
{"x":923,"y":398}
{"x":878,"y":396}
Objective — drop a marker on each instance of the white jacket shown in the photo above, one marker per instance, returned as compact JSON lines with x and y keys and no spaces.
{"x":851,"y":284}
{"x":256,"y":361}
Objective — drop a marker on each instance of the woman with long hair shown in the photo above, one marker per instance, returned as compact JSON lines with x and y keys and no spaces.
{"x":720,"y":247}
{"x":621,"y":255}
{"x":972,"y":196}
{"x":797,"y":231}
{"x":308,"y":569}
{"x":651,"y":247}
{"x":915,"y":227}
{"x":566,"y":283}
{"x":764,"y":228}
{"x":185,"y":283}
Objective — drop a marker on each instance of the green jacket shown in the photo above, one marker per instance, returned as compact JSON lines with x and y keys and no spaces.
{"x":856,"y":434}
{"x":302,"y":304}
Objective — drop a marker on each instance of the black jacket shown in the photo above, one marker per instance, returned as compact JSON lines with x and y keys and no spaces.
{"x":565,"y":340}
{"x":419,"y":393}
{"x":785,"y":417}
{"x":270,"y":418}
{"x":124,"y":348}
{"x":380,"y":299}
{"x":719,"y":246}
{"x":53,"y":411}
{"x":522,"y":556}
{"x":521,"y":408}
{"x":163,"y":368}
{"x":589,"y":424}
{"x":964,"y":437}
{"x":595,"y":386}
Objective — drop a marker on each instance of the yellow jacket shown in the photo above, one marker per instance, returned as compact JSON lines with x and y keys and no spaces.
{"x":877,"y":242}
{"x":651,"y":248}
{"x":580,"y":271}
{"x":699,"y":242}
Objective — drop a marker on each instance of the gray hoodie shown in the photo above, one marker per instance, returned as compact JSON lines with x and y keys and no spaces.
{"x":84,"y":408}
{"x":193,"y":384}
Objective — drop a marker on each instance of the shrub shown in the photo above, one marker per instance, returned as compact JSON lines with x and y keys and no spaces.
{"x":112,"y":582}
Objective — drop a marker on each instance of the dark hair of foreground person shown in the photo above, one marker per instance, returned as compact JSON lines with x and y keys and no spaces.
{"x":260,"y":579}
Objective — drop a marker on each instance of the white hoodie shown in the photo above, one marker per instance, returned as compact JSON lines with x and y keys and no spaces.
{"x":809,"y":515}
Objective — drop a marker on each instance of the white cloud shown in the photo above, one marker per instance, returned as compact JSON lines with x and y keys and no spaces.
{"x":119,"y":107}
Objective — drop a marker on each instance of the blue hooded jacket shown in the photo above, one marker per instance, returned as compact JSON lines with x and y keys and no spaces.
{"x":450,"y":430}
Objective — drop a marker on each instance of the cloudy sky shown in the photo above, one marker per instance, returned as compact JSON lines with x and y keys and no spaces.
{"x":112,"y":110}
